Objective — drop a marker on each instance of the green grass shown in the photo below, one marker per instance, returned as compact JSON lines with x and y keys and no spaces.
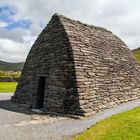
{"x":136,"y":53}
{"x":8,"y":86}
{"x":123,"y":126}
{"x":10,"y":74}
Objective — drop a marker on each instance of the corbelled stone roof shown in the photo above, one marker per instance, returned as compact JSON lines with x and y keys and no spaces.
{"x":76,"y":22}
{"x":78,"y":69}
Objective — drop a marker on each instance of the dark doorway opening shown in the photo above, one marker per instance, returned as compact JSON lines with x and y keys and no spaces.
{"x":40,"y":93}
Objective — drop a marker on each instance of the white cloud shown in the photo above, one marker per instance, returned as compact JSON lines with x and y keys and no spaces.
{"x":3,"y":24}
{"x":13,"y":51}
{"x":16,"y":34}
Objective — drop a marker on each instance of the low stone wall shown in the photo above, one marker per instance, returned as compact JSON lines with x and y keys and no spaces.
{"x":8,"y":79}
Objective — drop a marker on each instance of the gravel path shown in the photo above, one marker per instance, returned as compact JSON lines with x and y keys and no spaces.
{"x":19,"y":123}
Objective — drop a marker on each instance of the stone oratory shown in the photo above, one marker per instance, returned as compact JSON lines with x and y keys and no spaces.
{"x":79,"y":69}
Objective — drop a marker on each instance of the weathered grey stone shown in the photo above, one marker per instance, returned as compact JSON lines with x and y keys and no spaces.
{"x":86,"y":69}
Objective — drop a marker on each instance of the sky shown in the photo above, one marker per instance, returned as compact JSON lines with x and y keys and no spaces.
{"x":21,"y":21}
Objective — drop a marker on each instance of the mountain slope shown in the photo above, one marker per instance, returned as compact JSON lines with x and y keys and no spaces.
{"x":7,"y":66}
{"x":136,"y":53}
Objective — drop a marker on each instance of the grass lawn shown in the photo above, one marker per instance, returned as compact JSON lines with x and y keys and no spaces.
{"x":123,"y":126}
{"x":137,"y":55}
{"x":8,"y":86}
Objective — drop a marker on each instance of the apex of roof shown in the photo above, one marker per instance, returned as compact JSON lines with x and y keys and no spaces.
{"x":76,"y":22}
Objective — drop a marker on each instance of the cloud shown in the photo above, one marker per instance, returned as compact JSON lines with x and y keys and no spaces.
{"x":3,"y":24}
{"x":113,"y":9}
{"x":12,"y":51}
{"x":16,"y":35}
{"x":8,"y":21}
{"x":25,"y":19}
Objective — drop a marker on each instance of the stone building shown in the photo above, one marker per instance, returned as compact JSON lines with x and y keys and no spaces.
{"x":80,"y":69}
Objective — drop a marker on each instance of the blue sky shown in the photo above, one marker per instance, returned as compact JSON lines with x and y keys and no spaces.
{"x":25,"y":24}
{"x":21,"y":21}
{"x":7,"y":14}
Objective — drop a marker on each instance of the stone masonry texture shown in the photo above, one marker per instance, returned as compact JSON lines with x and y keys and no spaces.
{"x":87,"y":69}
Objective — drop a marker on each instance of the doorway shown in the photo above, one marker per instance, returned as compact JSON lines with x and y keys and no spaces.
{"x":40,"y":93}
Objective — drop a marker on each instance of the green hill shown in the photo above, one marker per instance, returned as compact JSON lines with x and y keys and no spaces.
{"x":136,"y":53}
{"x":7,"y":66}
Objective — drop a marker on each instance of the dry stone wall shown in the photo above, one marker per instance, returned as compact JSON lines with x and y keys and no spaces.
{"x":87,"y":69}
{"x":8,"y":79}
{"x":107,"y":73}
{"x":51,"y":57}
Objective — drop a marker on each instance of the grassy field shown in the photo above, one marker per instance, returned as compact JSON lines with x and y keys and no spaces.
{"x":8,"y":86}
{"x":123,"y":126}
{"x":136,"y":53}
{"x":10,"y":74}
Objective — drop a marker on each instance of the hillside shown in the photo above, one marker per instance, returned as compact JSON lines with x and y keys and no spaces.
{"x":7,"y":66}
{"x":136,"y":53}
